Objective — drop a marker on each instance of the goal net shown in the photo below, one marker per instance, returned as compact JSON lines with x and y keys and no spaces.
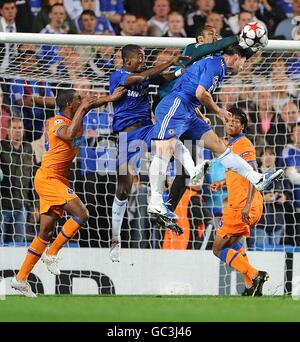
{"x":267,"y":90}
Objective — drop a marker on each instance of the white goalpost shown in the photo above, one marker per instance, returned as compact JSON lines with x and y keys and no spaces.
{"x":153,"y":260}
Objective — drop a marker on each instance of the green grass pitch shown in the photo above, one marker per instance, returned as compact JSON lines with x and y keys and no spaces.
{"x":149,"y":309}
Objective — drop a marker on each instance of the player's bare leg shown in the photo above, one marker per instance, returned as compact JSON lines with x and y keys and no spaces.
{"x":231,"y":251}
{"x":79,"y":217}
{"x":35,"y":252}
{"x":237,"y":164}
{"x":123,"y":191}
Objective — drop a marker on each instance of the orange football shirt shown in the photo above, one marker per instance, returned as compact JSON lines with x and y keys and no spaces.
{"x":238,"y":186}
{"x":58,"y":158}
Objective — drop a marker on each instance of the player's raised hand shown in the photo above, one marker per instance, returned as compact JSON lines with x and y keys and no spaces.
{"x":202,"y":116}
{"x":118,"y":93}
{"x":224,"y":115}
{"x":89,"y":102}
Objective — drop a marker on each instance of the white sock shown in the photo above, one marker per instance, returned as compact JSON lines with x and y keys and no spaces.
{"x":157,"y":176}
{"x":182,"y":154}
{"x":235,"y":163}
{"x":118,"y":212}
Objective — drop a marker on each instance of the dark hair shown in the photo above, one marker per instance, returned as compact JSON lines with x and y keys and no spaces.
{"x":3,"y":2}
{"x":127,"y":14}
{"x":269,"y":149}
{"x":199,"y":31}
{"x":243,"y":11}
{"x":234,"y":50}
{"x":238,"y":113}
{"x":88,"y":12}
{"x":129,"y":50}
{"x":55,"y":5}
{"x":64,"y":97}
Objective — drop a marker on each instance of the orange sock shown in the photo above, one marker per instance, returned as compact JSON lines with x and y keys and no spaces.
{"x":34,"y":253}
{"x":235,"y":260}
{"x":69,"y":229}
{"x":248,"y":281}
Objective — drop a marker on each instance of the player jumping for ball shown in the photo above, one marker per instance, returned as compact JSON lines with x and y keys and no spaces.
{"x":52,"y":185}
{"x":243,"y":211}
{"x":176,"y":118}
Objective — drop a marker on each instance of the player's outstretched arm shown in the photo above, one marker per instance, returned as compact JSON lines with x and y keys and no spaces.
{"x":211,"y":48}
{"x":89,"y":102}
{"x":155,"y":71}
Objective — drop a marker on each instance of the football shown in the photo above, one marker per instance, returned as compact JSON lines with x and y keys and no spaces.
{"x":254,"y":35}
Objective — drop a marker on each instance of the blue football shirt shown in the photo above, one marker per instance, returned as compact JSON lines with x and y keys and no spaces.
{"x":134,"y":106}
{"x":208,"y":73}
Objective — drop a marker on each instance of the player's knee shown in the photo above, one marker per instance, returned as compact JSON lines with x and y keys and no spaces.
{"x":46,"y":234}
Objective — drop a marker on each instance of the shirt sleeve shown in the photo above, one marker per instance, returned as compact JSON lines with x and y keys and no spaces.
{"x":57,"y":125}
{"x":246,"y":151}
{"x":210,"y":75}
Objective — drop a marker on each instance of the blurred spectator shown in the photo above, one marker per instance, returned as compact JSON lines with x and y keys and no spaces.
{"x":290,"y":115}
{"x":227,"y":7}
{"x":16,"y":188}
{"x":253,"y":6}
{"x":142,"y":27}
{"x":43,"y":19}
{"x":4,"y":117}
{"x":216,"y":21}
{"x":140,"y":8}
{"x":175,"y":25}
{"x":196,"y":19}
{"x":34,"y":98}
{"x":128,"y":25}
{"x":87,"y":22}
{"x":50,"y":54}
{"x":271,"y":14}
{"x":118,"y":61}
{"x":282,"y":87}
{"x":41,"y":145}
{"x":266,"y":121}
{"x":9,"y":51}
{"x":112,"y":10}
{"x":286,"y":27}
{"x":291,"y":159}
{"x":71,"y":63}
{"x":24,"y":16}
{"x":74,"y":8}
{"x":269,"y":229}
{"x":103,"y":26}
{"x":238,"y":21}
{"x":159,"y":22}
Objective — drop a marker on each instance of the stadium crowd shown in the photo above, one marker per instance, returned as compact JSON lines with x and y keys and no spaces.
{"x":266,"y":90}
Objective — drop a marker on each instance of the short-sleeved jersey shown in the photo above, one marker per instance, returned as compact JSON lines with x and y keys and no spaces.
{"x":60,"y":153}
{"x":134,"y":106}
{"x":238,"y":186}
{"x":208,"y":73}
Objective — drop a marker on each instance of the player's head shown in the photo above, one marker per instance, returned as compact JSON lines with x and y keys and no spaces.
{"x":68,"y":101}
{"x":268,"y":157}
{"x":206,"y":34}
{"x":133,"y":57}
{"x":238,"y":123}
{"x":235,"y":58}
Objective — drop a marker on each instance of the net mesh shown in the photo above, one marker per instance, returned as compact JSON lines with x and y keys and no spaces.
{"x":268,"y":91}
